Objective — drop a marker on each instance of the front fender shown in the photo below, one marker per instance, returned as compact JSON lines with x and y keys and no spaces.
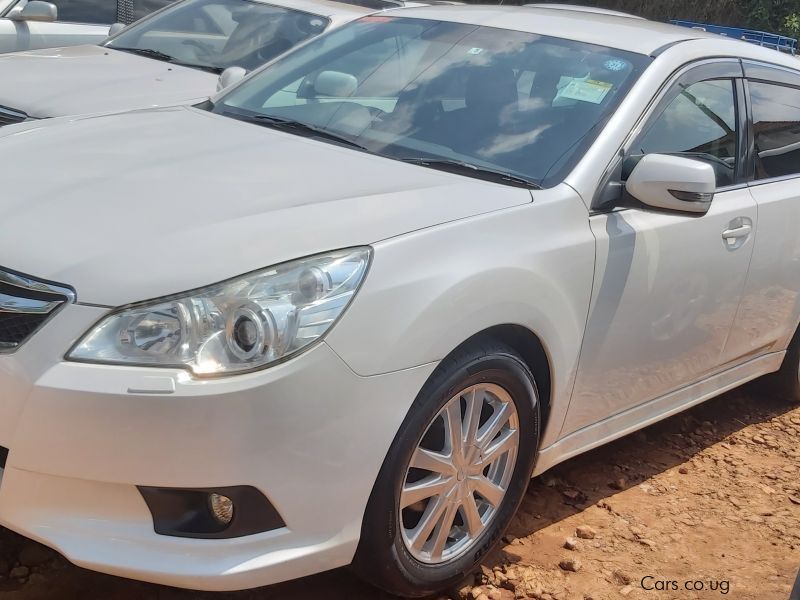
{"x":430,"y":290}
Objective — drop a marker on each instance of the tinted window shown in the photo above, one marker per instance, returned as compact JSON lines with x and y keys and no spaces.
{"x":700,"y":122}
{"x":413,"y":89}
{"x":776,"y":118}
{"x":217,"y":34}
{"x":100,"y":12}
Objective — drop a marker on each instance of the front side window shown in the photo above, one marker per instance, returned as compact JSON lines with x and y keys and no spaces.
{"x":445,"y":94}
{"x":701,"y":123}
{"x":776,"y":123}
{"x":97,"y":12}
{"x":217,"y":34}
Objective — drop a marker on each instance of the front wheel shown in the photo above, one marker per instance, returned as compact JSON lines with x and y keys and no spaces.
{"x":454,"y":475}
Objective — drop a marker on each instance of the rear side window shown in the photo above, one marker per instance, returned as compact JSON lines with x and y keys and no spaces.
{"x":776,"y":123}
{"x":97,"y":12}
{"x":700,"y":123}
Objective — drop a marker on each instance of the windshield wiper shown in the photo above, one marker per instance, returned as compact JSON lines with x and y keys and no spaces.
{"x":465,"y":168}
{"x":148,"y":52}
{"x":163,"y":56}
{"x":298,"y":127}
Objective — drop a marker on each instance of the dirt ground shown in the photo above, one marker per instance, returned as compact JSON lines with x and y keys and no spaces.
{"x":708,"y":500}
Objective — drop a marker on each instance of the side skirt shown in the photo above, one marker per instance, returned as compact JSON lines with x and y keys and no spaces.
{"x":641,"y":416}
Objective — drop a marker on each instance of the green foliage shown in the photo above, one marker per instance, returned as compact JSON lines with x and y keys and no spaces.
{"x":792,"y":25}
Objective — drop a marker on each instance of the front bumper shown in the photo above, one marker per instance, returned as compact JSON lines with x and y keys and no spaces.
{"x":310,"y":434}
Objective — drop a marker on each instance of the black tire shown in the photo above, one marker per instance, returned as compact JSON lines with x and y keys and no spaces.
{"x":786,"y":382}
{"x":382,"y":557}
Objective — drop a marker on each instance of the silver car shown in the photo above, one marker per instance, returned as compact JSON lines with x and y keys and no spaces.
{"x":344,"y":311}
{"x":31,"y":24}
{"x":175,"y":56}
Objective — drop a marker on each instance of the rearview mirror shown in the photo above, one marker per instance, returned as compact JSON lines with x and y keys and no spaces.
{"x":335,"y":84}
{"x":36,"y":10}
{"x":673,"y":183}
{"x":115,"y":29}
{"x":230,"y":76}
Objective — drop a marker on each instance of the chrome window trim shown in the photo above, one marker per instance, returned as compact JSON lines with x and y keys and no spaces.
{"x":779,"y":179}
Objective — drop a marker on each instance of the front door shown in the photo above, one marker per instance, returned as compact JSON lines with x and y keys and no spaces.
{"x":667,"y":285}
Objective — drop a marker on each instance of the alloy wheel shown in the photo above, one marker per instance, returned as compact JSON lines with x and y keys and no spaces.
{"x":459,"y":473}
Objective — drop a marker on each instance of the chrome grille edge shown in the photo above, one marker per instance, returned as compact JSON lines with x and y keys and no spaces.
{"x":25,"y":305}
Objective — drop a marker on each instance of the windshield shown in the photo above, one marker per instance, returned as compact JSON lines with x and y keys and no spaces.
{"x":442,"y":94}
{"x":217,"y":34}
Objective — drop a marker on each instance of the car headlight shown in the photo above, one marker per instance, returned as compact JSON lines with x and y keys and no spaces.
{"x":239,"y":325}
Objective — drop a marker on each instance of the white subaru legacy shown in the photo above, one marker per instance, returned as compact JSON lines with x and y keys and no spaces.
{"x":174,"y":56}
{"x":344,"y":311}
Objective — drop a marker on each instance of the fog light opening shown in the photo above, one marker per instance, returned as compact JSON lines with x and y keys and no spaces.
{"x":221,"y":507}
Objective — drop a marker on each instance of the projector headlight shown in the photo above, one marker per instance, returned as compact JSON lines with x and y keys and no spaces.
{"x":239,"y":325}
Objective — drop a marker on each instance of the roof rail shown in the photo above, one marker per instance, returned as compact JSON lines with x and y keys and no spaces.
{"x":586,"y":9}
{"x":775,"y":41}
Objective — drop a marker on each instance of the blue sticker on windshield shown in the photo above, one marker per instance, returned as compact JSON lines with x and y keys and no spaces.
{"x":615,"y":65}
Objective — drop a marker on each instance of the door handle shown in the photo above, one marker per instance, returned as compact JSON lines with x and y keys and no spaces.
{"x":736,"y":233}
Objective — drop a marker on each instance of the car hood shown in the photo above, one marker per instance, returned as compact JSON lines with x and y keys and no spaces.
{"x":83,"y":80}
{"x":138,"y":205}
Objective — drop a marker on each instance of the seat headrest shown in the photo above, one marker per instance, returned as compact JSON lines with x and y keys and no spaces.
{"x":491,"y":88}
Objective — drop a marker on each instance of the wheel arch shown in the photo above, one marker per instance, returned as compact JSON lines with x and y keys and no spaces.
{"x":532,"y":350}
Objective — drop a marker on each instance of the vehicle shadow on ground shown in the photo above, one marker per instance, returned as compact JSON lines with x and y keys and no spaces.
{"x":561,"y":492}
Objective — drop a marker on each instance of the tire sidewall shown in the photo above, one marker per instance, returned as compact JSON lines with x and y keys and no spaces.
{"x":406,"y":574}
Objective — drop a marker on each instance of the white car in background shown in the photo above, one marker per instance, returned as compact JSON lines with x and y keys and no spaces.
{"x":344,"y":310}
{"x":174,"y":56}
{"x":31,"y":24}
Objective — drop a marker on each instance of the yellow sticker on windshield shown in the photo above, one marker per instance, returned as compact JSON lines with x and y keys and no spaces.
{"x":587,"y":90}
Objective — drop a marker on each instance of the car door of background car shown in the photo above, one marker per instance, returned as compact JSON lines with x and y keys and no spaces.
{"x":79,"y":22}
{"x":668,"y":285}
{"x":770,"y":306}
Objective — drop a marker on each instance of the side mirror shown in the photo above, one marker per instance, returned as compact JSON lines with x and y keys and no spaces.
{"x":230,"y":76}
{"x":673,"y":183}
{"x":115,"y":29}
{"x":36,"y":10}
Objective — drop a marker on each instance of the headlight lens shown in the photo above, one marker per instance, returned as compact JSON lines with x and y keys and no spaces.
{"x":239,"y":325}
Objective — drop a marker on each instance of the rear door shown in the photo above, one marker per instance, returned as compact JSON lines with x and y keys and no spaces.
{"x":770,"y":306}
{"x":668,"y":285}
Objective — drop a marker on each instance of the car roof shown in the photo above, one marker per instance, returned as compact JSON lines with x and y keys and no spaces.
{"x":591,"y":26}
{"x":344,"y":9}
{"x":585,"y":9}
{"x":347,"y":10}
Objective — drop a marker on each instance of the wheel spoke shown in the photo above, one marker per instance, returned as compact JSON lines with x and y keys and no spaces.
{"x":472,"y":517}
{"x":472,"y":416}
{"x":433,"y":514}
{"x":443,"y":531}
{"x":452,"y":423}
{"x":492,"y":492}
{"x":446,"y":502}
{"x":423,"y":489}
{"x":505,"y":442}
{"x":428,"y":460}
{"x":493,"y":426}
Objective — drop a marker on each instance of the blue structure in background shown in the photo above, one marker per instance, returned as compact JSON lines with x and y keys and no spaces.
{"x":768,"y":40}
